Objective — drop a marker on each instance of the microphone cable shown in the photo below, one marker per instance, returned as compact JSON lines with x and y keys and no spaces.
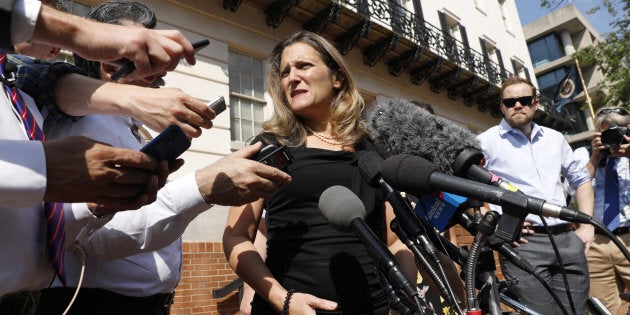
{"x":76,"y":250}
{"x":396,"y":303}
{"x":600,"y":227}
{"x":470,"y":224}
{"x":562,"y":270}
{"x":438,"y":278}
{"x":517,"y":305}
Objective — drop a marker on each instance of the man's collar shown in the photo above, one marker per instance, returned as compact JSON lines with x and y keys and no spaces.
{"x":505,"y":127}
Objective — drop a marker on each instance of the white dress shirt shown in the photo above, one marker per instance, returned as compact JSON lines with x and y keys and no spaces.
{"x":23,"y":263}
{"x":24,"y":14}
{"x":533,"y":165}
{"x":151,"y":234}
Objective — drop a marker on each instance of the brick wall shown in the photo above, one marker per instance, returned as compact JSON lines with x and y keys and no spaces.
{"x":204,"y":268}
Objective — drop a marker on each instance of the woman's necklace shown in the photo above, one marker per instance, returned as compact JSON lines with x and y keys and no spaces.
{"x":323,"y":137}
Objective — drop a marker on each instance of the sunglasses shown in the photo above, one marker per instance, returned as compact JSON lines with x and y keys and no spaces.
{"x":616,"y":110}
{"x":524,"y":100}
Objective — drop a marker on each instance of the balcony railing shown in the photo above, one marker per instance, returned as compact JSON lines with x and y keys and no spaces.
{"x":408,"y":25}
{"x":385,"y":31}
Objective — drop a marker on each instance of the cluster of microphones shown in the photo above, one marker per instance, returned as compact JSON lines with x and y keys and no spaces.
{"x":438,"y":162}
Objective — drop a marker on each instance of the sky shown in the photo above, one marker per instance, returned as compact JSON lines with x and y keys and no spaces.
{"x":530,"y":10}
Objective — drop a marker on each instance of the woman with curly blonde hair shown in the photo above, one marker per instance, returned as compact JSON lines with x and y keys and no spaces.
{"x":310,"y":265}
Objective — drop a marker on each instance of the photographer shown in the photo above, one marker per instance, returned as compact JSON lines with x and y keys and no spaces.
{"x":608,"y":167}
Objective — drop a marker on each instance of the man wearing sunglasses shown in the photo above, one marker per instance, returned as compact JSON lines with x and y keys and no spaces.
{"x":533,"y":157}
{"x":608,"y":166}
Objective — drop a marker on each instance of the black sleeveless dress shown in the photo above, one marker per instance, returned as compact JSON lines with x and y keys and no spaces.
{"x":305,"y":253}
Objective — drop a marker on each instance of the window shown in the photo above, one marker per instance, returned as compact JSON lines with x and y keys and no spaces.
{"x":495,"y":70}
{"x":246,"y":96}
{"x":451,"y":32}
{"x":519,"y":68}
{"x":504,"y":15}
{"x":547,"y":82}
{"x":545,"y":50}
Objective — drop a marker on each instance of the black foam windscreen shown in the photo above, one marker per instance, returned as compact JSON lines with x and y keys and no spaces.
{"x":408,"y":173}
{"x":399,"y":126}
{"x":340,"y":206}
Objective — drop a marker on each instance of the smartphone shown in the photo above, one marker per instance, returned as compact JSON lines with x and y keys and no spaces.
{"x":217,"y":105}
{"x":128,"y":67}
{"x":272,"y":155}
{"x":168,"y":145}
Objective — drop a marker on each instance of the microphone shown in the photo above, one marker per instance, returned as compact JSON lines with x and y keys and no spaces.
{"x":465,"y":220}
{"x":400,"y":127}
{"x":439,"y":208}
{"x":410,"y":227}
{"x":412,"y":173}
{"x":343,"y":209}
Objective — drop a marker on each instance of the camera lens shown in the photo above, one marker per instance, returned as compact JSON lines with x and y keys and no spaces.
{"x":612,"y":137}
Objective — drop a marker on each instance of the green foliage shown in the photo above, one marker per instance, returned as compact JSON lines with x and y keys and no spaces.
{"x":612,"y":56}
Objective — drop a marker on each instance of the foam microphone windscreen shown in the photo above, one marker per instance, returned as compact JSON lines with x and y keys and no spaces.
{"x":408,"y":173}
{"x":340,"y":206}
{"x":399,"y":126}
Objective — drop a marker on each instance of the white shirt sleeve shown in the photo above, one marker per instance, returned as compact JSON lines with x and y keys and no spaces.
{"x":24,"y":15}
{"x":151,"y":227}
{"x":22,"y":173}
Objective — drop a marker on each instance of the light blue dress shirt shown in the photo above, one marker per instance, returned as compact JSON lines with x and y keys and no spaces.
{"x":623,"y":174}
{"x":533,"y":165}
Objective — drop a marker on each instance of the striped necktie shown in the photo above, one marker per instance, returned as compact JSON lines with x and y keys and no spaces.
{"x":55,"y":222}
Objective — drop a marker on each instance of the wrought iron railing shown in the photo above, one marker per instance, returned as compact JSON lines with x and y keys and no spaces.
{"x":408,"y":25}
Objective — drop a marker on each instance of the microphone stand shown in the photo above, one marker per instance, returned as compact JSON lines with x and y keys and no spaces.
{"x":400,"y":305}
{"x":406,"y":221}
{"x":420,"y":258}
{"x":485,"y":228}
{"x":471,"y":225}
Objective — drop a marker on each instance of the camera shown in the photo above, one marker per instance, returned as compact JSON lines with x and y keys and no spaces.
{"x":273,"y":155}
{"x":613,"y":136}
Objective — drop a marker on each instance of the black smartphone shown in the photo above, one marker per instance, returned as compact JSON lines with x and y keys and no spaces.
{"x":217,"y":105}
{"x":168,"y":145}
{"x":273,"y":155}
{"x":128,"y":67}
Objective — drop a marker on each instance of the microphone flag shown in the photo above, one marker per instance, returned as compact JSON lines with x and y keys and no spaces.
{"x":438,"y":208}
{"x":567,"y":89}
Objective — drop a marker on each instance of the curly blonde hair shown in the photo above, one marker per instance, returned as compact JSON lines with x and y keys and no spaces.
{"x":345,"y":109}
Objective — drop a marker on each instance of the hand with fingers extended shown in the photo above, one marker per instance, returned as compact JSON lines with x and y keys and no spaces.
{"x":81,"y":169}
{"x":303,"y":303}
{"x":235,"y":180}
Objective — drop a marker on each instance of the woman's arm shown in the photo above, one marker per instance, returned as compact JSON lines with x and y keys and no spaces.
{"x":238,"y":245}
{"x":242,"y":256}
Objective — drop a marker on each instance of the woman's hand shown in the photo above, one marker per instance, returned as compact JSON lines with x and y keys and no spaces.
{"x":303,"y":303}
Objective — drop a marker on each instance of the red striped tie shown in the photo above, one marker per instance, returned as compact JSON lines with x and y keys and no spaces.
{"x":55,"y":223}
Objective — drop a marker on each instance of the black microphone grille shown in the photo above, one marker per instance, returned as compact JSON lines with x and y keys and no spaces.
{"x":408,"y":173}
{"x":340,"y":206}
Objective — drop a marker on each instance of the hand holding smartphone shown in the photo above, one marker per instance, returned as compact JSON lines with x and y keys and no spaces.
{"x":128,"y":68}
{"x":168,"y":145}
{"x":217,"y":105}
{"x":273,"y":155}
